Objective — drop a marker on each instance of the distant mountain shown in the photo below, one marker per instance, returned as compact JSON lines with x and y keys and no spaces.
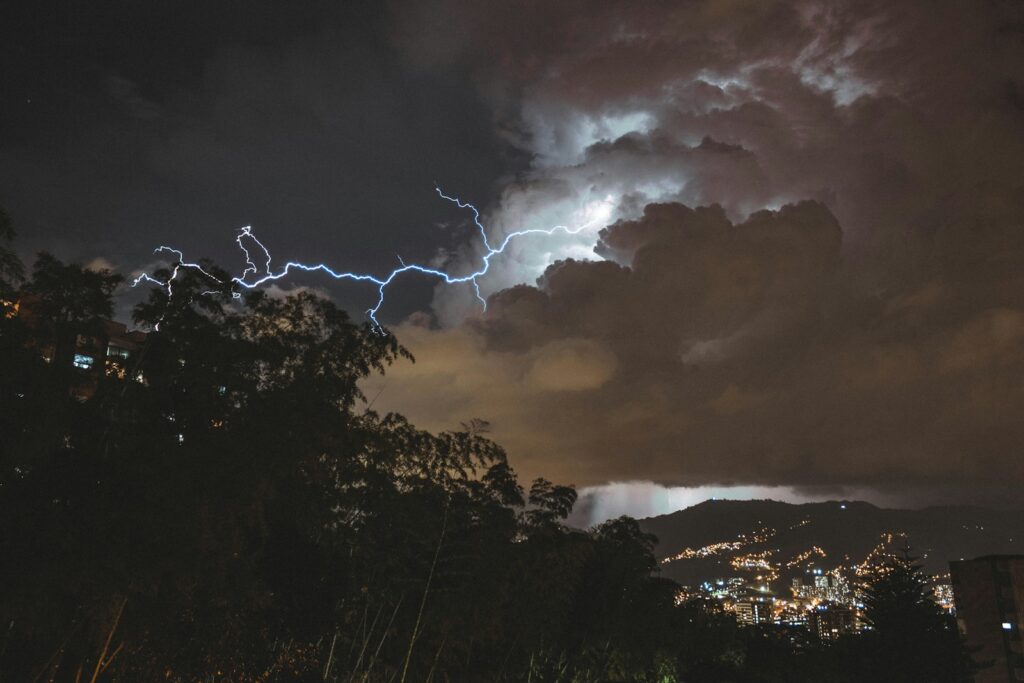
{"x":725,"y":538}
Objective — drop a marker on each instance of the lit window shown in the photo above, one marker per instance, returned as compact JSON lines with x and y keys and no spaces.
{"x":117,"y":352}
{"x":1007,"y":626}
{"x":82,"y":361}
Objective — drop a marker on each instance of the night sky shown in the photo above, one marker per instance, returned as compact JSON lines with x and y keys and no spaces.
{"x":804,"y":260}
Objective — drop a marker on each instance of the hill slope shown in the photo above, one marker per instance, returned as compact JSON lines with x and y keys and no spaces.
{"x":722,"y":538}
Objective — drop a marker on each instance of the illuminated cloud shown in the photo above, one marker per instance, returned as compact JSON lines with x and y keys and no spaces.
{"x":812,"y":273}
{"x":805,"y":266}
{"x":99,"y":263}
{"x":648,"y":499}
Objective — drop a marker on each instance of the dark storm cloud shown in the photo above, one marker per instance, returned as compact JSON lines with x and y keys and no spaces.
{"x":127,"y":126}
{"x":871,"y":336}
{"x":811,"y":271}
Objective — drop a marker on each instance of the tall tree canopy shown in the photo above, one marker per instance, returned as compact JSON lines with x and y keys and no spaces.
{"x":910,"y":639}
{"x":232,"y":505}
{"x":230,"y":508}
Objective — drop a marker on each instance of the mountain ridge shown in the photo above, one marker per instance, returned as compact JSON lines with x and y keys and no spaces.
{"x":714,"y":538}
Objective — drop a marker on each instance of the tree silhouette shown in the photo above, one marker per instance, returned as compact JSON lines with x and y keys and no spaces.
{"x":12,"y":272}
{"x":67,"y":301}
{"x":232,"y":509}
{"x":910,"y":639}
{"x":551,"y":503}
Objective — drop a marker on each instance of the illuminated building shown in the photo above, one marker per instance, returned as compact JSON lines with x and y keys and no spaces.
{"x":989,"y":595}
{"x":756,"y":611}
{"x":107,"y":350}
{"x":943,"y":592}
{"x":823,"y":586}
{"x":791,"y":614}
{"x":829,"y":621}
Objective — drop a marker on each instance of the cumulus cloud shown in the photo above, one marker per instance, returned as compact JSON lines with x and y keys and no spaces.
{"x":904,"y":120}
{"x":797,"y":256}
{"x":812,"y":271}
{"x":730,"y":353}
{"x":570,"y":365}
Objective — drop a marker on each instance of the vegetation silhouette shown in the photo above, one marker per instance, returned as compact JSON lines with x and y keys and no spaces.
{"x":228,"y":508}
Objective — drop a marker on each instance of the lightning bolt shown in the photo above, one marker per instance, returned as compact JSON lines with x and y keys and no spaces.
{"x":254,"y":276}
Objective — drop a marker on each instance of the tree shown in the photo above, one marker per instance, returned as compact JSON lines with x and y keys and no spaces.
{"x":67,"y":301}
{"x":17,"y":364}
{"x":910,"y":639}
{"x":12,"y":339}
{"x":550,"y":503}
{"x":57,"y":306}
{"x":241,"y":513}
{"x":237,"y":510}
{"x":12,"y":272}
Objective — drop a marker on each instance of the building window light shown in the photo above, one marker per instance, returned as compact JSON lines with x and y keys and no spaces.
{"x":117,"y":352}
{"x":1007,"y":626}
{"x":82,"y":361}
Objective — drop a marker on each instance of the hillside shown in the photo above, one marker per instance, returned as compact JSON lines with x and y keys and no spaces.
{"x":722,"y":538}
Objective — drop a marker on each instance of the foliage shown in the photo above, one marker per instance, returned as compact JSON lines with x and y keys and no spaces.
{"x":231,"y":509}
{"x":910,"y":638}
{"x":12,"y":272}
{"x":242,"y":514}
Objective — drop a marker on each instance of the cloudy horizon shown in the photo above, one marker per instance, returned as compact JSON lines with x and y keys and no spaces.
{"x":801,"y":251}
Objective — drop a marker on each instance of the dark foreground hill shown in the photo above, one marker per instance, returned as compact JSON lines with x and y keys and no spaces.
{"x":722,"y":538}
